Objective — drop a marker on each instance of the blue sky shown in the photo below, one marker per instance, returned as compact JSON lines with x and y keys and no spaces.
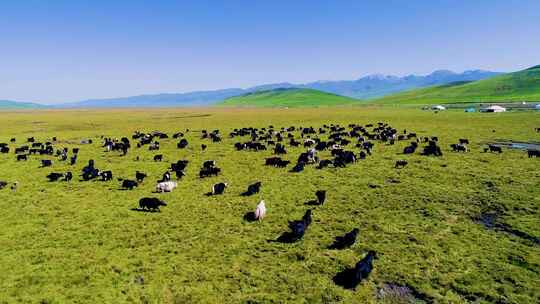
{"x":57,"y":51}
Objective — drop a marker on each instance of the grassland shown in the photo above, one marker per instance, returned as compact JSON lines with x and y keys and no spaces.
{"x":512,"y":87}
{"x":292,"y":97}
{"x":80,"y":242}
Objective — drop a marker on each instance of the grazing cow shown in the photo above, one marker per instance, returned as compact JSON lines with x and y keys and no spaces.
{"x":346,"y":241}
{"x":272,"y":161}
{"x":209,"y":164}
{"x":166,"y":186}
{"x":22,"y":157}
{"x":463,"y":141}
{"x":53,"y":177}
{"x":253,"y":189}
{"x":68,"y":176}
{"x":179,"y":165}
{"x":151,"y":203}
{"x":282,"y":163}
{"x":3,"y":185}
{"x":106,"y":175}
{"x":182,"y":144}
{"x":139,"y":176}
{"x":401,"y":163}
{"x":321,"y":196}
{"x":209,"y":172}
{"x":4,"y":150}
{"x":46,"y":163}
{"x":324,"y":163}
{"x":350,"y":278}
{"x":260,"y":211}
{"x":280,"y":149}
{"x":533,"y":153}
{"x":409,"y":149}
{"x":13,"y":139}
{"x":493,"y":148}
{"x":158,"y":157}
{"x":219,"y":188}
{"x":129,"y":184}
{"x":458,"y":147}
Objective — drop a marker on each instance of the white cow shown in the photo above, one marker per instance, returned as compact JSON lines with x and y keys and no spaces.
{"x":166,"y":186}
{"x":260,"y":211}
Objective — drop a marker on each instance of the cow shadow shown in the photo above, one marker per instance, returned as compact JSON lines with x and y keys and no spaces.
{"x":312,"y":203}
{"x":144,"y":210}
{"x":250,"y":217}
{"x":346,"y":278}
{"x":285,"y":238}
{"x":208,"y":194}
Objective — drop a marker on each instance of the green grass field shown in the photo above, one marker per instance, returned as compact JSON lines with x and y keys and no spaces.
{"x":289,"y":98}
{"x":512,"y":87}
{"x":80,"y":242}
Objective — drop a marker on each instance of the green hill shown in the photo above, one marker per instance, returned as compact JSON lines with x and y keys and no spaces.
{"x":512,"y":87}
{"x":289,"y":97}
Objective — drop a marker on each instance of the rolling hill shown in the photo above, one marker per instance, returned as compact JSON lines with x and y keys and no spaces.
{"x":8,"y":104}
{"x":288,"y":97}
{"x":512,"y":87}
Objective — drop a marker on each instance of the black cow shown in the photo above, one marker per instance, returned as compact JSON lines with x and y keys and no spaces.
{"x":219,"y":188}
{"x":321,"y":196}
{"x":158,"y":157}
{"x":106,"y":175}
{"x":46,"y":163}
{"x":4,"y":150}
{"x":493,"y":148}
{"x":458,"y":147}
{"x":129,"y":184}
{"x":350,"y":278}
{"x":209,"y":172}
{"x":345,"y":241}
{"x":151,"y":203}
{"x":203,"y":147}
{"x":179,"y":165}
{"x":324,"y":163}
{"x":179,"y":174}
{"x":401,"y":164}
{"x":53,"y":177}
{"x":272,"y":161}
{"x":533,"y":153}
{"x":209,"y":164}
{"x":463,"y":141}
{"x":68,"y":176}
{"x":182,"y":144}
{"x":139,"y":176}
{"x":282,"y":163}
{"x":253,"y":189}
{"x":73,"y":160}
{"x":3,"y":185}
{"x":75,"y":150}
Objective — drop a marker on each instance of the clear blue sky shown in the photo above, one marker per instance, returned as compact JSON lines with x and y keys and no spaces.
{"x":55,"y":51}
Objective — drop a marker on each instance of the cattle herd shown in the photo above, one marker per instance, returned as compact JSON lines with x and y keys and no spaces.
{"x":347,"y":146}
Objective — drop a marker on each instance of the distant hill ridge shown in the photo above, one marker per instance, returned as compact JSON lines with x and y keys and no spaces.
{"x":512,"y":87}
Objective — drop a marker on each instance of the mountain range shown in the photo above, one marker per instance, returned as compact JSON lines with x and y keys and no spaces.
{"x":368,"y":87}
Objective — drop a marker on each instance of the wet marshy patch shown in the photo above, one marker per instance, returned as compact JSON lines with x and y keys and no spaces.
{"x":519,"y":145}
{"x":491,"y":220}
{"x":395,"y":293}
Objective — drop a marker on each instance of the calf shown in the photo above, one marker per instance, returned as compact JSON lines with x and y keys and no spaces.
{"x":352,"y":277}
{"x":166,"y":186}
{"x":219,"y":188}
{"x":129,"y":184}
{"x":151,"y":203}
